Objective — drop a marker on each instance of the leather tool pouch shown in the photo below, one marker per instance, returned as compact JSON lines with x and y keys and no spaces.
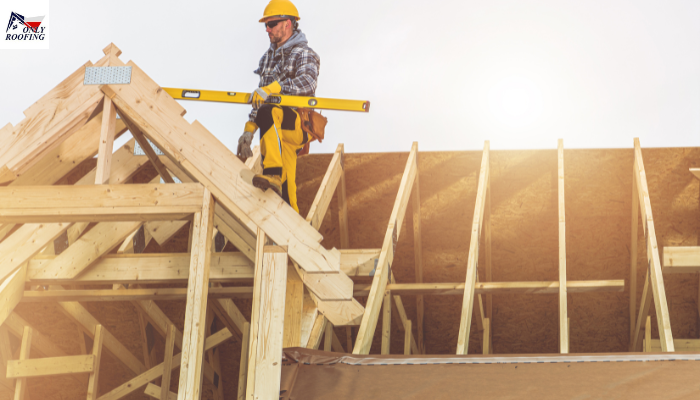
{"x":314,"y":124}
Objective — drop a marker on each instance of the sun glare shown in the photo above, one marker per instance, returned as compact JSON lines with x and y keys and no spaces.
{"x":515,"y":101}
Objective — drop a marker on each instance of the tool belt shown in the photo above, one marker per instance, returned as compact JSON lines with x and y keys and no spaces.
{"x":314,"y":124}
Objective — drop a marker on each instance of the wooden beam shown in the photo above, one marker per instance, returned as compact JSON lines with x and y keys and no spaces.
{"x":309,"y":313}
{"x":157,"y":371}
{"x":369,"y":319}
{"x":155,"y":392}
{"x":563,"y":314}
{"x":647,"y":336}
{"x":265,"y":359}
{"x":486,"y":339}
{"x":243,"y":366}
{"x":328,"y":337}
{"x":190,"y":383}
{"x":484,"y":288}
{"x":418,"y":259}
{"x":11,"y":292}
{"x":146,"y":147}
{"x":473,"y":258}
{"x":343,"y":225}
{"x":28,"y":204}
{"x":317,"y":332}
{"x":93,"y":387}
{"x":227,"y":311}
{"x":212,"y":357}
{"x":78,"y":314}
{"x":25,"y":347}
{"x":214,"y":166}
{"x":402,"y":318}
{"x":168,"y":361}
{"x":293,"y":308}
{"x":654,"y":264}
{"x":147,"y":268}
{"x":633,"y":259}
{"x":487,"y":259}
{"x":319,"y":207}
{"x":35,"y":137}
{"x":386,"y":323}
{"x":106,"y":146}
{"x":407,"y":339}
{"x":681,"y":259}
{"x":50,"y":366}
{"x":98,"y":295}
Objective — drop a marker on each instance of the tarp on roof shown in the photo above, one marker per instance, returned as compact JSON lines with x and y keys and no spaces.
{"x":312,"y":374}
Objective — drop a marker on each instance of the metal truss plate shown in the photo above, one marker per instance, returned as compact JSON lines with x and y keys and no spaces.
{"x":107,"y":76}
{"x":138,"y":151}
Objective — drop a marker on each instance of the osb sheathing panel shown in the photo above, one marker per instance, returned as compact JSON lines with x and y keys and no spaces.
{"x":524,"y":247}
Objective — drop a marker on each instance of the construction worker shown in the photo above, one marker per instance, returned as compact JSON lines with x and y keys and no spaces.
{"x":288,"y":67}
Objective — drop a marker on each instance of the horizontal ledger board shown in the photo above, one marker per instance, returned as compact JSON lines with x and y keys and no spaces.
{"x":99,"y":203}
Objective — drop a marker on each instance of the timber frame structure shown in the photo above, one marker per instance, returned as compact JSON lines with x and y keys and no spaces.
{"x":82,"y":243}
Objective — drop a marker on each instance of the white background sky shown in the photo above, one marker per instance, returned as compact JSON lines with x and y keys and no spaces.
{"x":449,"y":74}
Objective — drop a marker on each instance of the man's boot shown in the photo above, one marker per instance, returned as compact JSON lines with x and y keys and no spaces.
{"x":265,"y":182}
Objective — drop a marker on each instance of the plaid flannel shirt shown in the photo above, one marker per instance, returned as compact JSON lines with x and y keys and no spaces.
{"x":295,"y":66}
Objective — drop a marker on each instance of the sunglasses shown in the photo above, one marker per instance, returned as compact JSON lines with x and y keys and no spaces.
{"x":272,"y":24}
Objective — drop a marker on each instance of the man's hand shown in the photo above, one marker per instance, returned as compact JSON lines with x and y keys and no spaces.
{"x":244,"y":151}
{"x":262,"y":93}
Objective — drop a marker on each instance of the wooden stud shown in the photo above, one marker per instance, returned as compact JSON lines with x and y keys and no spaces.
{"x":633,"y":259}
{"x":386,"y":323}
{"x":656,"y":277}
{"x":104,"y":157}
{"x":265,"y":370}
{"x":328,"y":337}
{"x":190,"y":383}
{"x":368,"y":325}
{"x":563,"y":317}
{"x":487,"y":259}
{"x":213,"y":357}
{"x":317,"y":332}
{"x":293,"y":308}
{"x":93,"y":386}
{"x":473,"y":258}
{"x":255,"y":314}
{"x":407,"y":339}
{"x":343,"y":224}
{"x":168,"y":361}
{"x":486,"y":337}
{"x":348,"y":337}
{"x":25,"y":347}
{"x":418,"y":259}
{"x":647,"y":335}
{"x":319,"y":207}
{"x":243,"y":366}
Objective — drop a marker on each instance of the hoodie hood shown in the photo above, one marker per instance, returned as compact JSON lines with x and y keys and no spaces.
{"x":297,"y":37}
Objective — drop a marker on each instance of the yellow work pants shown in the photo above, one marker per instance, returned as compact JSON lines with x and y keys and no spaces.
{"x":281,"y":139}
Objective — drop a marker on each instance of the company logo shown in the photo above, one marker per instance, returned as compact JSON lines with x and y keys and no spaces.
{"x":21,"y":28}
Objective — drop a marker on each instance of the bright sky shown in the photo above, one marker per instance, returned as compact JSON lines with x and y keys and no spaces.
{"x":449,"y":74}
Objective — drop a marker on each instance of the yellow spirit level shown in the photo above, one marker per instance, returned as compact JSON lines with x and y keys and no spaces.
{"x":282,"y":100}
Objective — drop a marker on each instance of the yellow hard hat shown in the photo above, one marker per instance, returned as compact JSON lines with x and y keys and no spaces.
{"x":280,"y":8}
